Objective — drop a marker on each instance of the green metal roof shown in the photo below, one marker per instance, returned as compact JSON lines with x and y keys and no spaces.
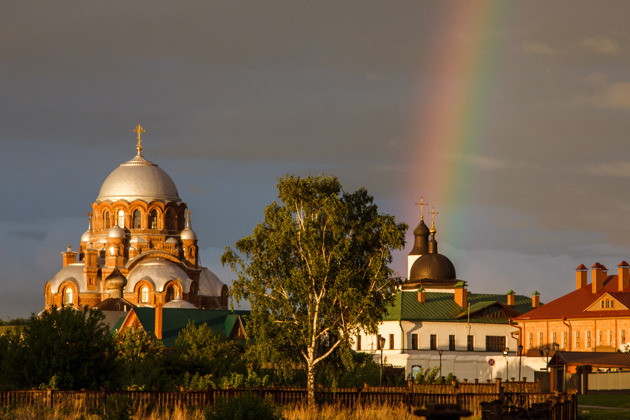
{"x":175,"y":319}
{"x":442,"y":307}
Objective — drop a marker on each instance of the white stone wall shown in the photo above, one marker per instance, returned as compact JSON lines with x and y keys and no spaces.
{"x":462,"y":363}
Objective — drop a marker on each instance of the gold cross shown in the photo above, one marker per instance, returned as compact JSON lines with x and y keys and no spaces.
{"x":139,"y":130}
{"x":433,"y":213}
{"x":422,"y":204}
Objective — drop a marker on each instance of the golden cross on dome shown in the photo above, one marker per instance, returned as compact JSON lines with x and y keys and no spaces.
{"x":433,"y":213}
{"x":139,"y":130}
{"x":422,"y":204}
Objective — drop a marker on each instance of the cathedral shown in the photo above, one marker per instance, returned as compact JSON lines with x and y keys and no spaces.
{"x":139,"y":249}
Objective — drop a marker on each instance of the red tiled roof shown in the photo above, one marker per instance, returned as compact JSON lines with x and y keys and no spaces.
{"x":581,"y":267}
{"x":623,"y":264}
{"x":572,"y":305}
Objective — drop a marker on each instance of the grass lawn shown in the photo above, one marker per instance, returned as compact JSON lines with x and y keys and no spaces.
{"x":619,"y":401}
{"x":605,"y":400}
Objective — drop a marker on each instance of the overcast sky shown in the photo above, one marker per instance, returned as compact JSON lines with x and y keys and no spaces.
{"x":511,"y":118}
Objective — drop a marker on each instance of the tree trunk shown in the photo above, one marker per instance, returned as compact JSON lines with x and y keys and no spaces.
{"x":311,"y":383}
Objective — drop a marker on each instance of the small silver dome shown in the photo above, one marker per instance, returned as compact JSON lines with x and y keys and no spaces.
{"x":86,"y":236}
{"x":116,"y":232}
{"x":188,"y":234}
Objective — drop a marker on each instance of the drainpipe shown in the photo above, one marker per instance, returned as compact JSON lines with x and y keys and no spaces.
{"x":520,"y":332}
{"x":570,"y":340}
{"x":402,"y":336}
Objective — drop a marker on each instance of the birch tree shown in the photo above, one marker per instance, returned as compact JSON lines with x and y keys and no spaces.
{"x":316,"y":270}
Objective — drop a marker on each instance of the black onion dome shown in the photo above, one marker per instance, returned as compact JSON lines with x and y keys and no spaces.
{"x":432,"y":267}
{"x":115,"y":280}
{"x":421,"y":229}
{"x":421,"y":235}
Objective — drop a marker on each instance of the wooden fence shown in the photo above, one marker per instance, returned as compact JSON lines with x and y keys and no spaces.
{"x":415,"y":396}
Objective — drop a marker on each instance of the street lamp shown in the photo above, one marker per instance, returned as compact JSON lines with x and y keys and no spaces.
{"x":440,"y":352}
{"x":547,"y":356}
{"x":507,"y":364}
{"x":520,"y":355}
{"x":381,"y":344}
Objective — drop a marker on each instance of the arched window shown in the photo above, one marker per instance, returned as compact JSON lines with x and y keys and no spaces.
{"x":153,"y":220}
{"x":170,"y":294}
{"x":144,"y":294}
{"x":106,"y":219}
{"x":170,"y":219}
{"x":67,"y":296}
{"x":121,"y":219}
{"x":137,"y":219}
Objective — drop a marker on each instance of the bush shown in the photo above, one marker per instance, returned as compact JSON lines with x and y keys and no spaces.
{"x":244,"y":407}
{"x":117,"y":407}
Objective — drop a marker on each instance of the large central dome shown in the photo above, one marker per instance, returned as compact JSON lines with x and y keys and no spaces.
{"x":138,"y":179}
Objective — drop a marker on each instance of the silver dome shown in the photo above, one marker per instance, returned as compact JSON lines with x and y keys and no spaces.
{"x":188,"y":234}
{"x":116,"y":232}
{"x":158,"y":272}
{"x":138,"y":179}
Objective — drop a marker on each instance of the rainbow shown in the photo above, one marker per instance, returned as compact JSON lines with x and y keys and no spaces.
{"x":450,"y":125}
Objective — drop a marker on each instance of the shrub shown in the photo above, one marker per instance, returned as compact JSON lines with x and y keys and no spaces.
{"x":244,"y":407}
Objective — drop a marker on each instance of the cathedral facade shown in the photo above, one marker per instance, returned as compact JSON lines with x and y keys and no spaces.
{"x":139,"y":247}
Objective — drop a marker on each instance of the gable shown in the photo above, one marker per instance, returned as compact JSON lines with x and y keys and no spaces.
{"x":606,"y":302}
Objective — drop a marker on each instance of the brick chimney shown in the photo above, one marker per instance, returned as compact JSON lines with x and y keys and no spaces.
{"x":461,"y":294}
{"x":535,"y":299}
{"x":510,"y":298}
{"x":69,"y":256}
{"x":624,"y":276}
{"x":598,"y":277}
{"x":158,"y":321}
{"x":421,"y":296}
{"x":581,"y":277}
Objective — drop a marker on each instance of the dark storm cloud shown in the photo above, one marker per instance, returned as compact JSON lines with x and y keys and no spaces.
{"x":234,"y":95}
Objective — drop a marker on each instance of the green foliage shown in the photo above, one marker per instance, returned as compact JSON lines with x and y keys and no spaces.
{"x":140,"y":359}
{"x":430,"y":376}
{"x":243,"y":407}
{"x":14,"y":321}
{"x":65,"y":348}
{"x":346,"y":368}
{"x":197,"y":382}
{"x":117,"y":407}
{"x":315,"y":271}
{"x":211,"y":356}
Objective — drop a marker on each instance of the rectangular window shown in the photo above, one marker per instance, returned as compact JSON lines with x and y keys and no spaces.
{"x":495,"y":343}
{"x":577,"y":339}
{"x":623,"y":336}
{"x":564,"y":340}
{"x":433,"y":342}
{"x":588,"y":339}
{"x":531,"y":340}
{"x":610,"y":338}
{"x":358,"y":342}
{"x":470,"y":345}
{"x":554,"y":338}
{"x":391,"y":341}
{"x":541,"y":340}
{"x":414,"y":341}
{"x":600,"y":337}
{"x":451,"y":342}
